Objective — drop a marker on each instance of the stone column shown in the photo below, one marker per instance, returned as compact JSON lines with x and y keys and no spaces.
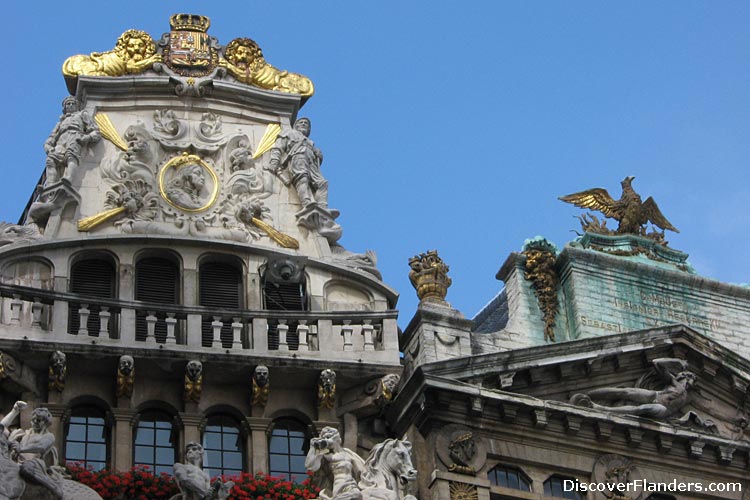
{"x":60,"y":417}
{"x":259,"y":443}
{"x":122,"y":438}
{"x":193,"y":425}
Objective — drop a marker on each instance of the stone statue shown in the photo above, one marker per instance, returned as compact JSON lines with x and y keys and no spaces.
{"x":327,"y":389}
{"x":194,"y":482}
{"x":642,"y":402}
{"x":65,"y":144}
{"x":125,"y":376}
{"x":28,"y":462}
{"x":261,"y":385}
{"x":193,"y":381}
{"x":343,"y":475}
{"x":337,"y":469}
{"x":296,"y":160}
{"x":58,"y":371}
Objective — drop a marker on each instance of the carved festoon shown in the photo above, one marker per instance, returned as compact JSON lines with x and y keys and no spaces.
{"x":629,"y":211}
{"x":327,"y":389}
{"x":539,"y":269}
{"x":58,"y":371}
{"x":193,"y":381}
{"x":125,"y":377}
{"x":429,"y":276}
{"x":261,"y":385}
{"x":75,"y":131}
{"x":663,"y":403}
{"x":194,"y":483}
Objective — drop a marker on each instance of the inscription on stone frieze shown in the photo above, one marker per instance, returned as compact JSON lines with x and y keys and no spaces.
{"x":661,"y":310}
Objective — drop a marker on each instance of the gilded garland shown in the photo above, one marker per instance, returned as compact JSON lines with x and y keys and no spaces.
{"x":540,"y":270}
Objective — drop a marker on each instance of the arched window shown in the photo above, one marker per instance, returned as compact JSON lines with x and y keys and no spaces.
{"x":155,"y":441}
{"x":156,"y":280}
{"x":287,"y":449}
{"x":224,"y":446}
{"x":87,"y":438}
{"x":91,"y":278}
{"x":555,"y":486}
{"x":221,"y":288}
{"x":509,"y":477}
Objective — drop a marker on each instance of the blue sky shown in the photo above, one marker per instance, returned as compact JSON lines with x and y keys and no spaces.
{"x":456,"y":126}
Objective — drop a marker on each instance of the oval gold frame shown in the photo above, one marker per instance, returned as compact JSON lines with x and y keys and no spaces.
{"x":179,"y":162}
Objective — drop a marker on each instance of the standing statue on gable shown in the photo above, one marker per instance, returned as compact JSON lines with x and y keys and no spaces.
{"x":296,"y":160}
{"x":64,"y":147}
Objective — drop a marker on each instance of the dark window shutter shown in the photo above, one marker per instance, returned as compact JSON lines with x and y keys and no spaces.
{"x":156,"y":280}
{"x":220,"y":288}
{"x":91,"y":278}
{"x":284,"y":296}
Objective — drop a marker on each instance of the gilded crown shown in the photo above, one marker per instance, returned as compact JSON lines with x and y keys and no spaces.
{"x":429,"y":276}
{"x":189,"y":22}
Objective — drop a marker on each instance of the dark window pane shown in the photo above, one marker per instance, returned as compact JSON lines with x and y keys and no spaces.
{"x":279,"y":445}
{"x":212,"y":441}
{"x":144,"y":455}
{"x":165,"y":456}
{"x":512,"y":480}
{"x":86,"y":438}
{"x":163,"y":437}
{"x":75,"y":451}
{"x":280,"y":463}
{"x":144,"y":436}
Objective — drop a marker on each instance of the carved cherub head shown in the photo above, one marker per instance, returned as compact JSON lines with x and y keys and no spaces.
{"x":328,"y":380}
{"x":58,"y":362}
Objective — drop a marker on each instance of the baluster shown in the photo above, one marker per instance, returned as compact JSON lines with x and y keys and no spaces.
{"x":367,"y":330}
{"x":104,"y":317}
{"x":151,"y":326}
{"x":36,"y":312}
{"x":236,"y":333}
{"x":302,"y":331}
{"x":283,"y":328}
{"x":15,"y":310}
{"x":346,"y":331}
{"x":83,"y":315}
{"x":171,"y":322}
{"x":216,"y":325}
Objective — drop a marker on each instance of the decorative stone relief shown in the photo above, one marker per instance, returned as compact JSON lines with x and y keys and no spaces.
{"x":193,"y":381}
{"x":13,"y":233}
{"x":675,"y":380}
{"x":58,"y":371}
{"x":463,"y":491}
{"x":460,"y":449}
{"x":429,"y":277}
{"x":341,"y":474}
{"x":64,"y":147}
{"x":327,"y":389}
{"x":617,"y":471}
{"x":539,"y":268}
{"x":261,"y":385}
{"x":125,"y":377}
{"x":33,"y":471}
{"x":194,"y":483}
{"x":366,"y":262}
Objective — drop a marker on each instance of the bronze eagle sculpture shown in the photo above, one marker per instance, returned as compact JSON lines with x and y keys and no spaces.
{"x":631,"y":213}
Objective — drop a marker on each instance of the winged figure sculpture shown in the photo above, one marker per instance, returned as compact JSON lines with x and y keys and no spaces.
{"x":631,"y":213}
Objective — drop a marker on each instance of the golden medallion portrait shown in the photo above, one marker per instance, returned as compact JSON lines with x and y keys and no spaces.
{"x":188,"y":183}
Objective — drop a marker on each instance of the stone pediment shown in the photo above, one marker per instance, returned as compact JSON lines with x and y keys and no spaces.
{"x":575,"y":378}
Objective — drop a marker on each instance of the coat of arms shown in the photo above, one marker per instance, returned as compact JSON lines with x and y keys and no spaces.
{"x":190,"y":52}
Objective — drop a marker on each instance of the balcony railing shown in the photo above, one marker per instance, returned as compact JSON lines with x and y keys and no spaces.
{"x":46,"y":314}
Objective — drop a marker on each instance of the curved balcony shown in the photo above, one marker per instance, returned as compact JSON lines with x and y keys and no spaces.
{"x":45,"y":315}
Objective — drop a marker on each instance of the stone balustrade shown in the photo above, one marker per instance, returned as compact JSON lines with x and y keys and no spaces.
{"x":39,"y":314}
